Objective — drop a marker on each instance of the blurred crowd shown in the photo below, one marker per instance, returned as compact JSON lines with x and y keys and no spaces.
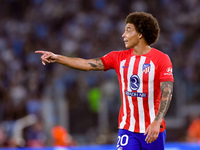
{"x":84,"y":103}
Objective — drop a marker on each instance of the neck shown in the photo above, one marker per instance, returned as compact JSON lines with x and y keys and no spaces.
{"x":141,"y":49}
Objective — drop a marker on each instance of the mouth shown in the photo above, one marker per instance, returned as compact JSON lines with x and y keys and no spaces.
{"x":125,"y":42}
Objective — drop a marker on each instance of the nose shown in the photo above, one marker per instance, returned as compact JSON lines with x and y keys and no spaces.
{"x":123,"y":35}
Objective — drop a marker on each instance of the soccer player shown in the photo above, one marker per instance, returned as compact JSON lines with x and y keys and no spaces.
{"x":145,"y":79}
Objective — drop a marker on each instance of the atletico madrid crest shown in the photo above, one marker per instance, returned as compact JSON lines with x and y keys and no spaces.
{"x":146,"y":68}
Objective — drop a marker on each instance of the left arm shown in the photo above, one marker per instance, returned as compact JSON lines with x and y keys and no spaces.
{"x":166,"y":96}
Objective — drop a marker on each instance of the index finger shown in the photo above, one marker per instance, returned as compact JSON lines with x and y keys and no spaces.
{"x":40,"y":52}
{"x":146,"y":132}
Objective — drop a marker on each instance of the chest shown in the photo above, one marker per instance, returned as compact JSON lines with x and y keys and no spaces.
{"x":136,"y":72}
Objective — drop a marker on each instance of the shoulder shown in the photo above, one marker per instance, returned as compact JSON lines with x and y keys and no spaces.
{"x":159,"y":55}
{"x":111,"y":59}
{"x":117,"y":53}
{"x":158,"y":52}
{"x":122,"y":51}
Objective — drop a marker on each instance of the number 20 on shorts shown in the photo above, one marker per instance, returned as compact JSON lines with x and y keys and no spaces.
{"x":122,"y":140}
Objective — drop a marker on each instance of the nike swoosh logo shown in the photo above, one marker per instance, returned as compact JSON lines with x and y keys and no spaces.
{"x":125,"y":66}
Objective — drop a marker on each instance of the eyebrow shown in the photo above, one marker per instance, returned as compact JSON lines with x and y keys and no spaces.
{"x":128,"y":28}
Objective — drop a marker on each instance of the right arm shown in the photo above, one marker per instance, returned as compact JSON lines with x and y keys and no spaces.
{"x":76,"y":63}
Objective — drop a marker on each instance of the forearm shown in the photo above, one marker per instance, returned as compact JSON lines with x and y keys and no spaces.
{"x":154,"y":128}
{"x":166,"y":96}
{"x":76,"y":63}
{"x":80,"y":64}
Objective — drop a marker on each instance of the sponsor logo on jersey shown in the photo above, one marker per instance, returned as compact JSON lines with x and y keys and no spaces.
{"x":169,"y":71}
{"x":134,"y":82}
{"x":146,"y":68}
{"x":134,"y":86}
{"x":125,"y":66}
{"x":135,"y":94}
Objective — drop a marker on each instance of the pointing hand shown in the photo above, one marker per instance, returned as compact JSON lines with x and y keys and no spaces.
{"x":47,"y":57}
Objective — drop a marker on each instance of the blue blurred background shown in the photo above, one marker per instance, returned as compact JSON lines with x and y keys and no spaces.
{"x":40,"y":103}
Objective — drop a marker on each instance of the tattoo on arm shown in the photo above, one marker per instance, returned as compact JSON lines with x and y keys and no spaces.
{"x":166,"y":96}
{"x":93,"y":65}
{"x":97,"y":64}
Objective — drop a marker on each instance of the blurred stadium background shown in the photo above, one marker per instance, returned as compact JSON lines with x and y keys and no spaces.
{"x":39,"y":104}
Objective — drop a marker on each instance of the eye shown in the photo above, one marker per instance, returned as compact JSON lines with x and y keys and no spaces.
{"x":128,"y":29}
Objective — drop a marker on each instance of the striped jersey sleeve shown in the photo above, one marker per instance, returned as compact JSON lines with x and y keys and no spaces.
{"x":165,"y":69}
{"x":110,"y":60}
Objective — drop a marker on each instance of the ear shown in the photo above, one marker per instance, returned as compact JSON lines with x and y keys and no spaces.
{"x":140,"y":35}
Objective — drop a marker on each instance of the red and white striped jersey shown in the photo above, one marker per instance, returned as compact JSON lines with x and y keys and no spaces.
{"x":139,"y":78}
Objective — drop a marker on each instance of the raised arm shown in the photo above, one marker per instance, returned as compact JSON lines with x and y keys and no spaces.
{"x":76,"y":63}
{"x":166,"y":96}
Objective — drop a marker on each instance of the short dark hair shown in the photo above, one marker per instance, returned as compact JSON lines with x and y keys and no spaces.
{"x":145,"y":24}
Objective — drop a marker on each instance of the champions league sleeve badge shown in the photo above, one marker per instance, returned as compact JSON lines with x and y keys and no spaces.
{"x":146,"y":68}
